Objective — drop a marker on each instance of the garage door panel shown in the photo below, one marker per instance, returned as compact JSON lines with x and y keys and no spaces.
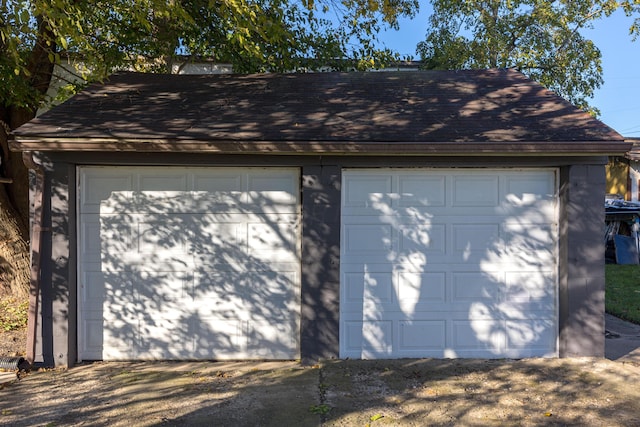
{"x":210,"y":262}
{"x":418,"y":191}
{"x":247,"y":237}
{"x":162,"y":287}
{"x":510,"y":259}
{"x":422,"y":335}
{"x":353,"y":288}
{"x":373,"y":338}
{"x":271,"y":188}
{"x":109,"y":234}
{"x":271,"y":340}
{"x":105,"y":191}
{"x":163,"y":181}
{"x":406,"y":287}
{"x":421,"y":287}
{"x":527,"y":286}
{"x":529,"y":237}
{"x":219,"y":338}
{"x":367,"y":238}
{"x":522,"y":260}
{"x":369,"y":193}
{"x":524,"y":310}
{"x":472,"y":239}
{"x":112,"y":294}
{"x":375,"y":285}
{"x":474,"y":286}
{"x":278,"y":239}
{"x":531,"y":334}
{"x":90,"y":242}
{"x":400,"y":287}
{"x":470,"y":191}
{"x":529,"y":189}
{"x":120,"y":294}
{"x":253,"y":295}
{"x":162,"y":236}
{"x":162,"y":202}
{"x":93,"y":289}
{"x":378,"y":287}
{"x":481,"y":334}
{"x":220,"y":185}
{"x":215,"y":235}
{"x":161,"y":192}
{"x":193,"y":251}
{"x":429,"y":239}
{"x":120,"y":338}
{"x":170,"y":334}
{"x":203,"y":203}
{"x":93,"y":333}
{"x":366,"y":192}
{"x":473,"y":252}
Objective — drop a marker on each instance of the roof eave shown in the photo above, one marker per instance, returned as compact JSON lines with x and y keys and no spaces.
{"x":573,"y":148}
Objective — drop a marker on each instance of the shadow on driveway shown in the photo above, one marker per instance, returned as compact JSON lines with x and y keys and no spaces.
{"x":403,"y":392}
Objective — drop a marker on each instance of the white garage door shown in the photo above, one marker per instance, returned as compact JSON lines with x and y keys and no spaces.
{"x":448,"y":263}
{"x":188,"y":263}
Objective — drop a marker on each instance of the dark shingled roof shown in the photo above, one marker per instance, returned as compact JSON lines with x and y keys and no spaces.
{"x":421,"y":112}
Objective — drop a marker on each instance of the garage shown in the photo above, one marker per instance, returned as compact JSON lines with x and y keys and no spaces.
{"x":315,"y":216}
{"x":449,"y":263}
{"x":188,"y":263}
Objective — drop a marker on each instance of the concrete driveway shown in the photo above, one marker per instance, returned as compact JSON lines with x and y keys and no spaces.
{"x":622,"y":340}
{"x":407,"y":392}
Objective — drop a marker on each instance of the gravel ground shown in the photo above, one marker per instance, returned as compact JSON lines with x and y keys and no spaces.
{"x":528,"y":392}
{"x":408,"y":392}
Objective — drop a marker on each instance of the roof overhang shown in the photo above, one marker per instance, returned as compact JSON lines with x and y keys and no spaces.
{"x":549,"y":148}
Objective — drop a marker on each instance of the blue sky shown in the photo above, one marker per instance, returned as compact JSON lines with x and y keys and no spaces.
{"x":618,"y":99}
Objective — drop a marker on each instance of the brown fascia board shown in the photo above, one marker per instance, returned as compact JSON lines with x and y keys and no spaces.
{"x":362,"y":148}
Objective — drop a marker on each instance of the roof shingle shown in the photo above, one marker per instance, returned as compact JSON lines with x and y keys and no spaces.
{"x":414,"y":112}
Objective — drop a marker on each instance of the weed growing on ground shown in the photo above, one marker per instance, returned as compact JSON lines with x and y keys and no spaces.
{"x":13,"y":314}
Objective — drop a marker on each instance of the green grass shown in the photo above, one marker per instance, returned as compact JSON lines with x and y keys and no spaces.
{"x":622,"y":295}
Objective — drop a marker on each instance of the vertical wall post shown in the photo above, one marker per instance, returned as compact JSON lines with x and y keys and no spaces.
{"x":581,"y":296}
{"x":37,"y":192}
{"x":320,"y":293}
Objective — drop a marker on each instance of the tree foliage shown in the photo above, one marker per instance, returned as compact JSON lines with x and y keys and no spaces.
{"x":253,"y":35}
{"x":541,"y":38}
{"x":95,"y":37}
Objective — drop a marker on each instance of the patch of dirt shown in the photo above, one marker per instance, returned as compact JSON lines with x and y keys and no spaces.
{"x":529,"y":392}
{"x":13,"y":343}
{"x":407,"y":392}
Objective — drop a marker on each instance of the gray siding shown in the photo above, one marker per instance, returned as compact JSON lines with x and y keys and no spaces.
{"x":320,"y":262}
{"x":581,"y":296}
{"x":581,"y":257}
{"x":56,"y":343}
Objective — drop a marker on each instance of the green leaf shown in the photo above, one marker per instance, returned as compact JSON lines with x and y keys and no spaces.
{"x":540,"y":38}
{"x":273,"y":35}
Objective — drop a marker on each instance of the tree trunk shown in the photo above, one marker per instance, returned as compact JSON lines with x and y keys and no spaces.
{"x":14,"y":251}
{"x":14,"y":196}
{"x":14,"y":220}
